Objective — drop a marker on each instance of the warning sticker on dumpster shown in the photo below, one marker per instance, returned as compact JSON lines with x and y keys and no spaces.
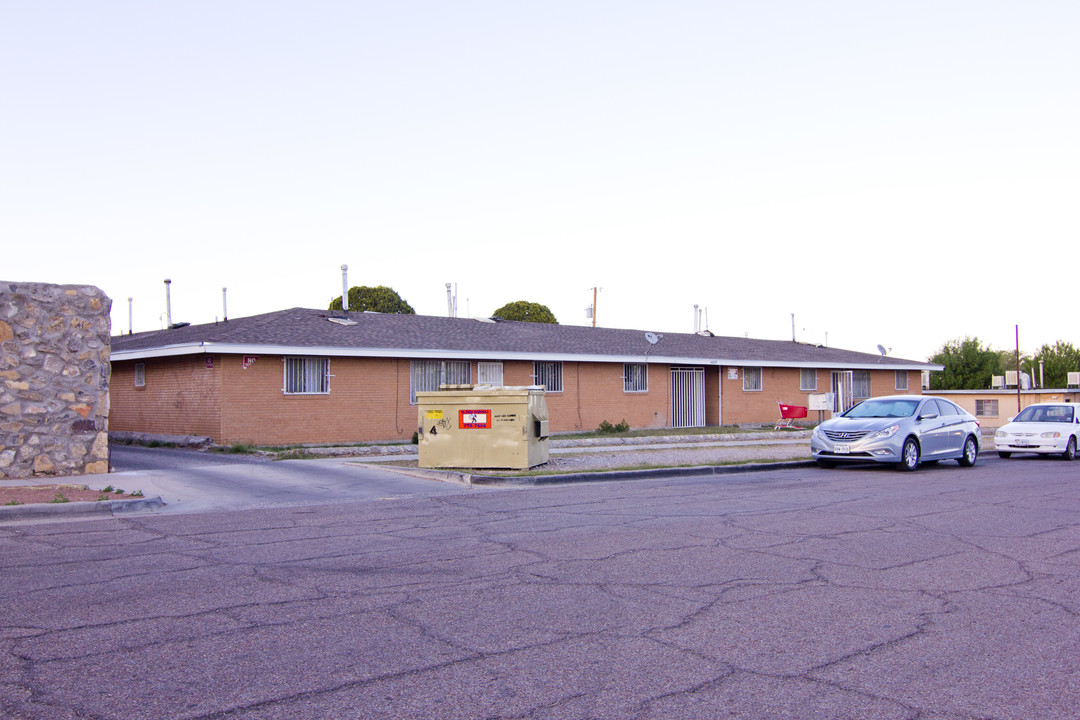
{"x":474,"y":419}
{"x":433,"y":414}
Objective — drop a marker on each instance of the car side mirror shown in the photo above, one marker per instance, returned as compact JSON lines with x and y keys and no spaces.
{"x":928,"y":415}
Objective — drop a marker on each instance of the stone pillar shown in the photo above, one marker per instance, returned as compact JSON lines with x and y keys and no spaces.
{"x":54,"y":379}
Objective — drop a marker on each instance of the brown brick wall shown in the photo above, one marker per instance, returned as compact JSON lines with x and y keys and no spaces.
{"x":593,"y":392}
{"x":782,"y":385}
{"x":368,"y":401}
{"x":181,"y":397}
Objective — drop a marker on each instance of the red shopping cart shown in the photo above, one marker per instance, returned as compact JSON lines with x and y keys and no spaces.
{"x":787,"y":414}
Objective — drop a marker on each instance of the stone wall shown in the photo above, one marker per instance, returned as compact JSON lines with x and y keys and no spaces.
{"x":54,"y":379}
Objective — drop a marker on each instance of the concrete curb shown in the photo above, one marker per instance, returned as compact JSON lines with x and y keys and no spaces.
{"x":141,"y":438}
{"x":35,"y":511}
{"x":608,"y":475}
{"x":596,"y":476}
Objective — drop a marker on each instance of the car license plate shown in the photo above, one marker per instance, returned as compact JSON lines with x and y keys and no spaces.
{"x":842,"y":448}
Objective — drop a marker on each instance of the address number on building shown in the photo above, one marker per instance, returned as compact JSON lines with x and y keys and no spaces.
{"x":474,"y":419}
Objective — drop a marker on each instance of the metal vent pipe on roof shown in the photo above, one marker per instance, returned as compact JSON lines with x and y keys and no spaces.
{"x":224,"y":306}
{"x":168,"y":304}
{"x":451,"y":301}
{"x":345,"y":288}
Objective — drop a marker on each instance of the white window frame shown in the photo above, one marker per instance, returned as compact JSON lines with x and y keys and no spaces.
{"x":857,"y":378}
{"x":305,"y":375}
{"x":635,"y":377}
{"x":901,"y":380}
{"x":140,"y":374}
{"x":803,"y":374}
{"x":489,"y":373}
{"x":428,"y":375}
{"x":752,"y":380}
{"x":549,"y":374}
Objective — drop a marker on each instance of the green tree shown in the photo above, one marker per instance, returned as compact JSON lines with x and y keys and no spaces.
{"x":968,"y":365}
{"x":1007,"y":363}
{"x":526,"y":312}
{"x":377,"y":299}
{"x":1057,"y":360}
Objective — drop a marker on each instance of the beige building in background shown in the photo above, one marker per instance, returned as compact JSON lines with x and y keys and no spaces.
{"x":996,"y":407}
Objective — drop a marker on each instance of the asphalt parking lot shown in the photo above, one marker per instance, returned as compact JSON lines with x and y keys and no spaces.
{"x":948,"y":593}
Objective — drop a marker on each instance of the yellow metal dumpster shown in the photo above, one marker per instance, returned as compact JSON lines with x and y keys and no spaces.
{"x":483,"y":426}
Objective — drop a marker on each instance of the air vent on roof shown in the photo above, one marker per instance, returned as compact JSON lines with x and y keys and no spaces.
{"x":487,"y":320}
{"x":341,"y":321}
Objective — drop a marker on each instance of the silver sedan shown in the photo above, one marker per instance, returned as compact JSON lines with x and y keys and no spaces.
{"x":902,"y":429}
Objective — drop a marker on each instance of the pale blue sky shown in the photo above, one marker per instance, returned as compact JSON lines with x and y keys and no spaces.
{"x":896,"y":173}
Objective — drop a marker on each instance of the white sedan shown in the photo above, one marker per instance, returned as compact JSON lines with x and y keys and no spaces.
{"x":1044,"y":428}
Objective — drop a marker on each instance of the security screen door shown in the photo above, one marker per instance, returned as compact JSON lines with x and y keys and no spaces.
{"x":687,"y":397}
{"x":843,"y":398}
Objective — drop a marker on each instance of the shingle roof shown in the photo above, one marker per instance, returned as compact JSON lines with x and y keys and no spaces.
{"x":300,"y":329}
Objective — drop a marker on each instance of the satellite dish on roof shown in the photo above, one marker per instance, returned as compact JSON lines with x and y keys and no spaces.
{"x":653,"y":338}
{"x":883,"y":350}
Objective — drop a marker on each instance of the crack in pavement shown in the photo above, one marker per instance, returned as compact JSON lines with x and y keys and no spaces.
{"x":796,"y":593}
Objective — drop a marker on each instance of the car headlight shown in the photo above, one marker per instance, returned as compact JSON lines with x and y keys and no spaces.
{"x":886,"y":432}
{"x":1051,"y":435}
{"x":1001,"y":433}
{"x":816,"y":433}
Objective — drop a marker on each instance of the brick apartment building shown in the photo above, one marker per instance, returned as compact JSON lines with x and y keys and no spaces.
{"x":312,"y":376}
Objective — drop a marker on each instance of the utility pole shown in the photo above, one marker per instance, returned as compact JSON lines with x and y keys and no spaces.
{"x":1018,"y":383}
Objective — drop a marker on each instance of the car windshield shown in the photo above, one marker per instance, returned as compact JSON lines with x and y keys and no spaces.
{"x":1051,"y":413}
{"x":883,"y":409}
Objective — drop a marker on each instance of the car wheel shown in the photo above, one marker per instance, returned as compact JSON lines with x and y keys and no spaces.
{"x":1003,"y":454}
{"x":971,"y":452}
{"x":1070,"y":450}
{"x":827,"y":464}
{"x":909,"y":457}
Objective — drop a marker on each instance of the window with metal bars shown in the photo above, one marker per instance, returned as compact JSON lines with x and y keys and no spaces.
{"x":635,"y":377}
{"x":548,"y":374}
{"x":808,"y":379}
{"x":306,"y":376}
{"x":140,"y":374}
{"x":986,"y":408}
{"x":428,"y":375}
{"x":860,"y":384}
{"x":751,"y":378}
{"x":489,"y":373}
